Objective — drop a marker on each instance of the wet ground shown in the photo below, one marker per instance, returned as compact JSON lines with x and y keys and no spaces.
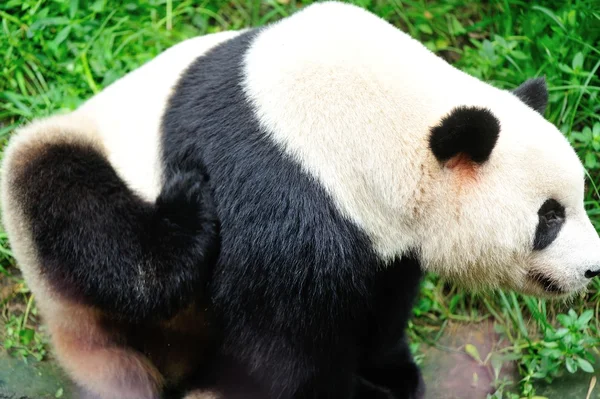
{"x":449,"y":371}
{"x":35,"y":380}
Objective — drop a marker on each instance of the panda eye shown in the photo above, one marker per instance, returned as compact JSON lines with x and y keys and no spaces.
{"x":551,"y":218}
{"x":552,"y":212}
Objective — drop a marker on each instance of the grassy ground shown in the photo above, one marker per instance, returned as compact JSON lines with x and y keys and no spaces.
{"x":56,"y":53}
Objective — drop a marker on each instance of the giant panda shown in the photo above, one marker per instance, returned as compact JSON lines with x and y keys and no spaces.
{"x":277,"y":193}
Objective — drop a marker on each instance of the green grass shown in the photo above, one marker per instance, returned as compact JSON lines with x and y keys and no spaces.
{"x":55,"y":54}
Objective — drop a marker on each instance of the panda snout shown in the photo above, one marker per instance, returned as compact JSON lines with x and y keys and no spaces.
{"x":592,"y":273}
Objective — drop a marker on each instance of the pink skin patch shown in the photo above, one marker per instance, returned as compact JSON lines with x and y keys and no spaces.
{"x":463,"y":167}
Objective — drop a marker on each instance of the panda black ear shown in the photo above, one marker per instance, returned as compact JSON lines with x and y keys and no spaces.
{"x":533,"y":93}
{"x":466,"y":131}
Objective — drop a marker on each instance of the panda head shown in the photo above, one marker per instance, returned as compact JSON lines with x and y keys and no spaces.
{"x":504,"y":199}
{"x":424,"y":158}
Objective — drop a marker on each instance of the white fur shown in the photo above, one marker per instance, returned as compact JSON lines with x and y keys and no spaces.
{"x":353,"y":99}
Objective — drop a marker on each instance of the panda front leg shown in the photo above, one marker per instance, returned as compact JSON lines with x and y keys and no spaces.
{"x":344,"y":385}
{"x":349,"y":386}
{"x":281,"y":370}
{"x":386,"y":359}
{"x":365,"y":389}
{"x":396,"y":371}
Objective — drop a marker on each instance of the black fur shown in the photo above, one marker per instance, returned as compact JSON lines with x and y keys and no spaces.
{"x":297,"y":287}
{"x":591,"y":273}
{"x":386,"y":350}
{"x":101,"y":244}
{"x":551,"y":219}
{"x":534,"y":93}
{"x":471,"y":131}
{"x":546,"y":282}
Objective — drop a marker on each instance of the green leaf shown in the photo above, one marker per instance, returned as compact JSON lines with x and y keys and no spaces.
{"x":585,"y":365}
{"x":59,"y":393}
{"x":26,"y":335}
{"x":500,"y":40}
{"x":565,"y":320}
{"x":551,"y":353}
{"x":585,"y":318}
{"x":425,"y":29}
{"x":571,"y":365}
{"x":590,"y":160}
{"x":50,"y":21}
{"x":578,"y":136}
{"x":497,"y":362}
{"x":473,"y":352}
{"x":571,"y":312}
{"x":572,"y":17}
{"x":565,"y":68}
{"x":454,"y":303}
{"x":519,"y":55}
{"x":441,"y":44}
{"x":488,"y":50}
{"x":540,"y":374}
{"x":561,"y":332}
{"x":596,"y":130}
{"x":98,"y":6}
{"x":550,"y":14}
{"x":73,"y":7}
{"x":552,"y":337}
{"x":457,"y":28}
{"x":61,"y":36}
{"x":578,"y":61}
{"x":512,"y":357}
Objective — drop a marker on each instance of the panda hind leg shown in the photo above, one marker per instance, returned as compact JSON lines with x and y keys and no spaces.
{"x":101,"y":367}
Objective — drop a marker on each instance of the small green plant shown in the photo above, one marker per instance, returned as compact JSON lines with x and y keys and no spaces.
{"x":565,"y":348}
{"x":587,"y":143}
{"x":21,"y":339}
{"x":502,"y":386}
{"x":552,"y":350}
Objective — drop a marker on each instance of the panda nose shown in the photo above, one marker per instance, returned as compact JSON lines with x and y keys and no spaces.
{"x":592,"y":273}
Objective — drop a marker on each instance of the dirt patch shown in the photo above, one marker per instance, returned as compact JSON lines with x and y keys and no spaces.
{"x":450,"y":372}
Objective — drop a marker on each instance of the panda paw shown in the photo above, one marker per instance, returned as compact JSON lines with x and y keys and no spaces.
{"x":409,"y":384}
{"x":367,"y":390}
{"x":419,"y":390}
{"x":404,"y":381}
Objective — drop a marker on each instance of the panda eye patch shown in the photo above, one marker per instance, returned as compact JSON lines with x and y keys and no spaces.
{"x":551,"y":218}
{"x":552,"y":210}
